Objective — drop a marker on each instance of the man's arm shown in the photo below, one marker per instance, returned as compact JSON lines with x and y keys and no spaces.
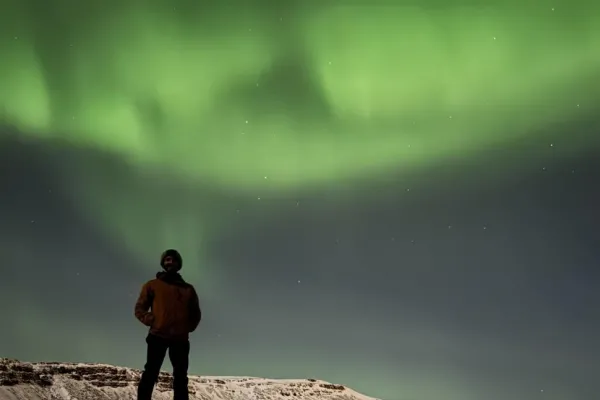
{"x":143,"y":304}
{"x":194,"y":311}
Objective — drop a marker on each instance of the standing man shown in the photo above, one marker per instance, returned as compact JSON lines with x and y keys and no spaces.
{"x":169,"y":306}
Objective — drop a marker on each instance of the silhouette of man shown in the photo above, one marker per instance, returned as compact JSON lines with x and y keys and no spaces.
{"x":170,"y":307}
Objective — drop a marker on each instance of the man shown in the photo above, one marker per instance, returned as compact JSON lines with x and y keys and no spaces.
{"x":170,"y":307}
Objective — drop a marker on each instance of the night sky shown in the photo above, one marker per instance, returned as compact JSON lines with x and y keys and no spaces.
{"x":399,"y":198}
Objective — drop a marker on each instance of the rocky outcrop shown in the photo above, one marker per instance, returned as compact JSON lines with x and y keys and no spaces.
{"x":72,"y":381}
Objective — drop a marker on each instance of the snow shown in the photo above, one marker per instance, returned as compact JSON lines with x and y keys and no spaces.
{"x":21,"y":381}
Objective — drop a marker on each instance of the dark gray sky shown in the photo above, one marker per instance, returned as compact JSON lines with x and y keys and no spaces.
{"x":480,"y":280}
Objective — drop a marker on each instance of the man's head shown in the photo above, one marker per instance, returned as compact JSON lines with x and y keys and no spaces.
{"x":171,"y":260}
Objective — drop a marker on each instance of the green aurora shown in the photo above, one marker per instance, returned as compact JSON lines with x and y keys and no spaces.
{"x":263,"y":96}
{"x":383,"y":87}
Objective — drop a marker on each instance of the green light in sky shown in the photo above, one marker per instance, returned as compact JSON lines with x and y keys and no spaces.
{"x":397,"y":86}
{"x":245,"y":98}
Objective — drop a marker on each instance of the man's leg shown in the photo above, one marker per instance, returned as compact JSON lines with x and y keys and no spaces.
{"x":179,"y":352}
{"x":157,"y":349}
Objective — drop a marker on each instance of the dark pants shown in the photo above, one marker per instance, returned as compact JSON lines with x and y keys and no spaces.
{"x":179,"y":352}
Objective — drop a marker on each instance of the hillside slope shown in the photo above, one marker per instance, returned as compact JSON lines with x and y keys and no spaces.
{"x":68,"y":381}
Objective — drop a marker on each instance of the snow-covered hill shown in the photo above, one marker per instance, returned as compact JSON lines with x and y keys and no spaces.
{"x":62,"y":381}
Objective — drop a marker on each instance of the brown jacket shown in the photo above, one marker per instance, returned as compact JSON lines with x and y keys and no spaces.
{"x":173,"y":304}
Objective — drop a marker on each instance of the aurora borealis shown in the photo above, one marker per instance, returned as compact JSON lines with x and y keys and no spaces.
{"x":278,"y":144}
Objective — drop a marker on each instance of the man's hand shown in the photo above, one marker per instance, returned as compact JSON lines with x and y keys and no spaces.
{"x":148,"y":319}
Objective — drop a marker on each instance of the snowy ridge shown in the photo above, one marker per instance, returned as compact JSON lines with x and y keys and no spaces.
{"x":71,"y":381}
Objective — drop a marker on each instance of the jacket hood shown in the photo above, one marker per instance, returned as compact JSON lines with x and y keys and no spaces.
{"x":172,"y":278}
